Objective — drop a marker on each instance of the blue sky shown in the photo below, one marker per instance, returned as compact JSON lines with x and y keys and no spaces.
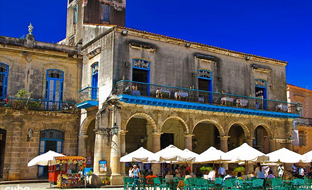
{"x":279,"y":29}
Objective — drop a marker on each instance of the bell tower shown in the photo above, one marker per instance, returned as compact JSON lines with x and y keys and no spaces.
{"x":80,"y":12}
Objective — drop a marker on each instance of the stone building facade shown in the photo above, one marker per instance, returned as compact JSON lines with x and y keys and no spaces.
{"x":158,"y":90}
{"x":39,"y":88}
{"x":303,"y":131}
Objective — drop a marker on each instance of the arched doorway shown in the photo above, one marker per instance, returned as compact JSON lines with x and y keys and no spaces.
{"x":90,"y":144}
{"x":173,"y":133}
{"x":261,"y":140}
{"x":237,"y":136}
{"x":139,"y":134}
{"x":2,"y":150}
{"x":205,"y":135}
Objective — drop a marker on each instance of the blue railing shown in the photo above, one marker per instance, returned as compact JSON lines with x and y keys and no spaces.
{"x":205,"y":97}
{"x":88,"y":93}
{"x":38,"y":105}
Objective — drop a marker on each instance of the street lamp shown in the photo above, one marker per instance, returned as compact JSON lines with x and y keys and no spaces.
{"x":109,"y":132}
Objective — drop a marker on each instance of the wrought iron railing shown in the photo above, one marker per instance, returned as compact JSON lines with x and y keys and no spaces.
{"x":205,"y":97}
{"x":38,"y":105}
{"x":88,"y":93}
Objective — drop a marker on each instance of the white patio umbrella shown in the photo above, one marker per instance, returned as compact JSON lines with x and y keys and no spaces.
{"x":211,"y":155}
{"x":307,"y":157}
{"x":171,"y":153}
{"x":243,"y":153}
{"x":140,"y":155}
{"x":285,"y":156}
{"x":190,"y":153}
{"x":44,"y":159}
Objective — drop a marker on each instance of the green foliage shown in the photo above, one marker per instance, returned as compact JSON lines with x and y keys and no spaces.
{"x":22,"y":94}
{"x":239,"y":169}
{"x":205,"y":168}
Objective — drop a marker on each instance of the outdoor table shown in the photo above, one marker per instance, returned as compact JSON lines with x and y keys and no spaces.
{"x":241,"y":102}
{"x":282,"y":107}
{"x":227,"y":101}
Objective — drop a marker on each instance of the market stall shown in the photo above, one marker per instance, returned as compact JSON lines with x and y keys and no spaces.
{"x":74,"y":166}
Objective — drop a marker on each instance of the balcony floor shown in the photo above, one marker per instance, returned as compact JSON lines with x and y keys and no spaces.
{"x":199,"y":106}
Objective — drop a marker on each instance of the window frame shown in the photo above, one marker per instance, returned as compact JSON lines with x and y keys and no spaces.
{"x":5,"y":81}
{"x":75,"y":19}
{"x":61,"y":89}
{"x":105,"y":15}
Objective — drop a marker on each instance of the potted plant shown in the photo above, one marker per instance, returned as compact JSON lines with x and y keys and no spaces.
{"x":106,"y":180}
{"x":205,"y":168}
{"x":239,"y":169}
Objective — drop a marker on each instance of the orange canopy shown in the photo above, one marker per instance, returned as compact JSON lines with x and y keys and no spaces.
{"x":70,"y":159}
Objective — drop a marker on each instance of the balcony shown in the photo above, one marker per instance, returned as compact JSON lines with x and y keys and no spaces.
{"x":88,"y":97}
{"x":168,"y":96}
{"x":38,"y":105}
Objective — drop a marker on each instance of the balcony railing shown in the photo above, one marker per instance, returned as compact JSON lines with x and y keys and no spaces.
{"x":88,"y":93}
{"x":38,"y":105}
{"x":204,"y":97}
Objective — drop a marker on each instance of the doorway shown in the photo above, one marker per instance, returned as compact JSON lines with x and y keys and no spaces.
{"x":140,"y":75}
{"x":2,"y":150}
{"x":205,"y":84}
{"x":166,"y":139}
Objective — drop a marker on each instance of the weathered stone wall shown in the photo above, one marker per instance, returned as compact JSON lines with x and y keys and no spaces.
{"x":19,"y":151}
{"x":28,"y":68}
{"x":177,"y":65}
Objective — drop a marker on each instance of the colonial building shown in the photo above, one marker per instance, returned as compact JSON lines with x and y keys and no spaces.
{"x":144,"y":89}
{"x":38,"y":93}
{"x":302,"y":132}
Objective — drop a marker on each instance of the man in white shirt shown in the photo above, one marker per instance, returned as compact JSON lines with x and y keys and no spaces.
{"x":221,"y":171}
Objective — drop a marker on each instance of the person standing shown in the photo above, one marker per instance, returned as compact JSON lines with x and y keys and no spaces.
{"x":221,"y":171}
{"x":136,"y":176}
{"x":280,"y":170}
{"x":131,"y":172}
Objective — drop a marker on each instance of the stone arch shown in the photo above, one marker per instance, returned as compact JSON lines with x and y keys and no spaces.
{"x":149,"y":119}
{"x":180,"y":120}
{"x":244,"y":126}
{"x":266,"y":127}
{"x":219,"y":127}
{"x":85,"y":124}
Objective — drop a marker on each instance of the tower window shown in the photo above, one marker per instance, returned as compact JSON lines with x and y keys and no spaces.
{"x":105,"y":13}
{"x":4,"y":72}
{"x":75,"y":14}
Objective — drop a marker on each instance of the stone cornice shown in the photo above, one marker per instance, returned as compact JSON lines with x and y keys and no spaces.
{"x":222,"y":51}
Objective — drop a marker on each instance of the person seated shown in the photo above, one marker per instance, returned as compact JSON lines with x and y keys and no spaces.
{"x":205,"y":176}
{"x":212,"y":174}
{"x":177,"y":172}
{"x":187,"y":175}
{"x":227,"y":175}
{"x":239,"y":175}
{"x":168,"y":175}
{"x":150,"y":177}
{"x":270,"y":176}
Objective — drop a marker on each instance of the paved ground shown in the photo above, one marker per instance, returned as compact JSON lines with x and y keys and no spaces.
{"x":40,"y":186}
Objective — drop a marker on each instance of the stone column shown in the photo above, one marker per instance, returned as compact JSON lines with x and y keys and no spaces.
{"x":116,"y":178}
{"x":14,"y":172}
{"x":82,"y":145}
{"x":99,"y":146}
{"x":156,"y":148}
{"x":224,"y":143}
{"x":123,"y":151}
{"x":188,"y":141}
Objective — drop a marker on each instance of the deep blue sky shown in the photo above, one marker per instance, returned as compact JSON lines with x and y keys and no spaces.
{"x":279,"y":29}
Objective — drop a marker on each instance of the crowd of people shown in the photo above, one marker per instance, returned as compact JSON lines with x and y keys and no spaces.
{"x":184,"y":171}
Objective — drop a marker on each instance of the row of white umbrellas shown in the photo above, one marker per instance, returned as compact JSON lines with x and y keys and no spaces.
{"x":242,"y":153}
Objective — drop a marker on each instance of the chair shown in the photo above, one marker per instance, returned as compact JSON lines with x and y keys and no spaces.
{"x":218,"y":183}
{"x":200,"y":184}
{"x":277,"y":184}
{"x":268,"y":183}
{"x":157,"y":183}
{"x":308,"y":183}
{"x":257,"y":183}
{"x":128,"y":182}
{"x":192,"y":183}
{"x":298,"y":184}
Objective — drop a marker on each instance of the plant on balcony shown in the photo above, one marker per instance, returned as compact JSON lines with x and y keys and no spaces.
{"x":33,"y":105}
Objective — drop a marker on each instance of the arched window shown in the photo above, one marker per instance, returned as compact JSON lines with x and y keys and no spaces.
{"x":261,"y":92}
{"x":4,"y":72}
{"x":94,"y":81}
{"x":54,"y":88}
{"x":50,"y":139}
{"x":205,"y":84}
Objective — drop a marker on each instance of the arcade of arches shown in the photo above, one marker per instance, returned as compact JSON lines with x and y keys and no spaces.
{"x":156,"y":128}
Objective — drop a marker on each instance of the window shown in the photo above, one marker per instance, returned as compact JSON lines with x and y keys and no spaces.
{"x":140,"y":73}
{"x":205,"y":84}
{"x":302,"y":138}
{"x":4,"y":72}
{"x":94,"y":82}
{"x":75,"y":14}
{"x":261,"y":92}
{"x":54,"y":89}
{"x":50,"y":139}
{"x":105,"y":13}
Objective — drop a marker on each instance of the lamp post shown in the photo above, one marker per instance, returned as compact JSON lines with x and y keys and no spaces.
{"x":109,"y":132}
